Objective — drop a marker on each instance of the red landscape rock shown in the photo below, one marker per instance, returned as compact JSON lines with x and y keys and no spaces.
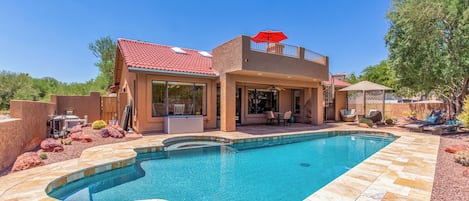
{"x":113,"y":131}
{"x":86,"y":138}
{"x":465,"y":172}
{"x":455,"y":148}
{"x":26,"y":161}
{"x":76,"y":129}
{"x":116,"y":132}
{"x":51,"y":145}
{"x":32,"y":144}
{"x":104,"y":132}
{"x":76,"y":136}
{"x":80,"y":136}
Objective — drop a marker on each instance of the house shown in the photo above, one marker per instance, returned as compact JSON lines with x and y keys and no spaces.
{"x":233,"y":85}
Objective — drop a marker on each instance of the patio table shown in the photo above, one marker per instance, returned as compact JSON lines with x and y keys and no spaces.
{"x":279,"y":115}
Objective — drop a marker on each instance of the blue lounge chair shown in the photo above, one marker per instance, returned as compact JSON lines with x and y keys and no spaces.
{"x":436,"y":117}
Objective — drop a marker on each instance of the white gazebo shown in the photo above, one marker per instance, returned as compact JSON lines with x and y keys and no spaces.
{"x":365,"y":86}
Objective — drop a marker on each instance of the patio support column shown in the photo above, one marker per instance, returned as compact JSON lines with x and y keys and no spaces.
{"x":227,"y":103}
{"x":317,"y":106}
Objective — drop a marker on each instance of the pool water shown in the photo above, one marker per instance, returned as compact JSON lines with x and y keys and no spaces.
{"x":284,"y":172}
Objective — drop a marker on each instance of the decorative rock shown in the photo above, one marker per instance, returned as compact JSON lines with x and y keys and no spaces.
{"x":32,"y":144}
{"x":115,"y":133}
{"x":26,"y":161}
{"x":76,"y":129}
{"x":455,"y":148}
{"x":465,"y":172}
{"x":76,"y":136}
{"x":104,"y":132}
{"x":81,"y":137}
{"x":86,"y":139}
{"x":51,"y":145}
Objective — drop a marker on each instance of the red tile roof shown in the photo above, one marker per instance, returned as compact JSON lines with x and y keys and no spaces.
{"x":337,"y":83}
{"x":150,"y":56}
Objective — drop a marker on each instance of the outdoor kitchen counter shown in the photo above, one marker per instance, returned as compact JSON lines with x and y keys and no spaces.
{"x":184,"y":124}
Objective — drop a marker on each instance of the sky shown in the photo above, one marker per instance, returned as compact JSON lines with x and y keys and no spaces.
{"x":50,"y":38}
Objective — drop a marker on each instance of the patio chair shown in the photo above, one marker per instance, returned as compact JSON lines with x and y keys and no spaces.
{"x":270,"y":117}
{"x":286,"y":118}
{"x":436,"y":117}
{"x":374,"y":116}
{"x":348,"y":115}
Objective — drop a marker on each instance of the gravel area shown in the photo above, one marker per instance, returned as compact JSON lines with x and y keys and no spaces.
{"x":449,"y":182}
{"x":74,"y":150}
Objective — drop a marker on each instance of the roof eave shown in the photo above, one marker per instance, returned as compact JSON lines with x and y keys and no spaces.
{"x":138,"y":69}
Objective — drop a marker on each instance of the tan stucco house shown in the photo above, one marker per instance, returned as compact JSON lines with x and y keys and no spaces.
{"x":233,"y":85}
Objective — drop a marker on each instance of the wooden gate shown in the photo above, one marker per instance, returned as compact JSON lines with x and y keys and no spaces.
{"x":108,"y":108}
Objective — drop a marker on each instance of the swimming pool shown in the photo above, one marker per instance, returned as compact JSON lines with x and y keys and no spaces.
{"x":255,"y":170}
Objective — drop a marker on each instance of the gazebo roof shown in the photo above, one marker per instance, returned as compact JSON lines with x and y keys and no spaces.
{"x":366,"y":86}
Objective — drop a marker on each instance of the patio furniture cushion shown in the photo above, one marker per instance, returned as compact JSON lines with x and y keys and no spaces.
{"x":431,"y":119}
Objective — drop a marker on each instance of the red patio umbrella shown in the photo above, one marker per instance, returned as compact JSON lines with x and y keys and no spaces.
{"x":269,"y":37}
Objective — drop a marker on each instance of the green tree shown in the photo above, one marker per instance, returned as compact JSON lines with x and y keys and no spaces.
{"x":464,"y":115}
{"x":352,"y":78}
{"x":15,"y":86}
{"x":380,"y":74}
{"x":45,"y":87}
{"x":428,"y":43}
{"x":105,"y":50}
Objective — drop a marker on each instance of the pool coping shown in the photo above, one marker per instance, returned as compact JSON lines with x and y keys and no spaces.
{"x":402,"y":170}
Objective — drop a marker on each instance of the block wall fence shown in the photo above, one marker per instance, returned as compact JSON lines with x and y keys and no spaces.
{"x":27,"y":125}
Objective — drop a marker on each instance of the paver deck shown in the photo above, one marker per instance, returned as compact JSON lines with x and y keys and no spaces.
{"x":403,"y":170}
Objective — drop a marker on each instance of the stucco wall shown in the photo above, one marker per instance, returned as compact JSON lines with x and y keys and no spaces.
{"x":340,"y":103}
{"x":25,"y":131}
{"x":401,"y":110}
{"x":422,"y":110}
{"x":11,"y":140}
{"x":80,"y":105}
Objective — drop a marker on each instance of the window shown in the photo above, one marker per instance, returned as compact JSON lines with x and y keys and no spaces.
{"x":175,"y":98}
{"x":261,"y":100}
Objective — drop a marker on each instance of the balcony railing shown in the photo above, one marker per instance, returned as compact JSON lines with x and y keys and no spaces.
{"x":312,"y":56}
{"x":286,"y":50}
{"x":276,"y":48}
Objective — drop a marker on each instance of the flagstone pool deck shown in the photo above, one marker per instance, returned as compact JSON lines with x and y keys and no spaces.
{"x":403,"y":170}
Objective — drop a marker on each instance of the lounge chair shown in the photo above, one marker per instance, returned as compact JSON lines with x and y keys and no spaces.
{"x":436,"y":117}
{"x":286,"y":118}
{"x":374,"y":116}
{"x":348,"y":115}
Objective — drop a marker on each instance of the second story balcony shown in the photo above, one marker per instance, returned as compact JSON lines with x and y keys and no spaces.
{"x":241,"y":55}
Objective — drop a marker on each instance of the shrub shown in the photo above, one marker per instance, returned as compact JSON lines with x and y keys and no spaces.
{"x":98,"y":124}
{"x":464,"y":116}
{"x":389,"y":121}
{"x":366,"y":121}
{"x":43,"y":156}
{"x":462,"y":157}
